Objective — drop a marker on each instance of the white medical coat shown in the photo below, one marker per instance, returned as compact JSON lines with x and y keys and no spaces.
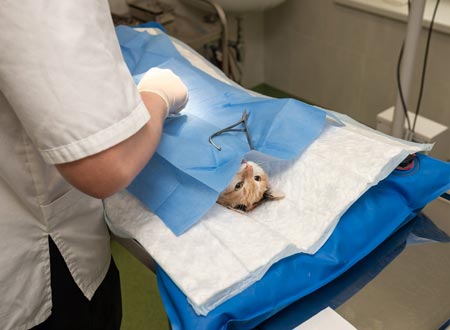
{"x":65,"y":94}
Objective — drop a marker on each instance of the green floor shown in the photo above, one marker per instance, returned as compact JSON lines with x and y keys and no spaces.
{"x":142,"y":305}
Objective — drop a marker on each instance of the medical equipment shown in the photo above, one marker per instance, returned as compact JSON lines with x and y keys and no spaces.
{"x":232,"y":128}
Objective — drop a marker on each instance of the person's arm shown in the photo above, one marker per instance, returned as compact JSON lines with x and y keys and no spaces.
{"x":108,"y":172}
{"x":66,"y":80}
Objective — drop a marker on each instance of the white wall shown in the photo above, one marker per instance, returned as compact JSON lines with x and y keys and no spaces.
{"x":253,"y":66}
{"x":345,"y":59}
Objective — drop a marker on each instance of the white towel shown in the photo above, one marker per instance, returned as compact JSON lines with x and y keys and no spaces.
{"x":227,"y":251}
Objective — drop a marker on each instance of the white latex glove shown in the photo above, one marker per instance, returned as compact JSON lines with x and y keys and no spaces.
{"x":167,"y":85}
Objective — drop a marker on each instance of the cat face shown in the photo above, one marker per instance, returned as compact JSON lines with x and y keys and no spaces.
{"x":248,"y":187}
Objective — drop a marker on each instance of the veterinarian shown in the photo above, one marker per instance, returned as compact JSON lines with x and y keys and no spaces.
{"x":73,"y":130}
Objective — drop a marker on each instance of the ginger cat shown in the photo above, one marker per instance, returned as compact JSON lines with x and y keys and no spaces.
{"x":248,"y":188}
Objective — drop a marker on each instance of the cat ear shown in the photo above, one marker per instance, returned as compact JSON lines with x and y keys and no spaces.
{"x":273,"y":194}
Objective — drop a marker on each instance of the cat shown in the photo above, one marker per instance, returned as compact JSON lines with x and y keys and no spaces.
{"x":248,"y":188}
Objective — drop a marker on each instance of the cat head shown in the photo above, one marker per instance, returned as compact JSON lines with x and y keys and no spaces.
{"x":248,"y":188}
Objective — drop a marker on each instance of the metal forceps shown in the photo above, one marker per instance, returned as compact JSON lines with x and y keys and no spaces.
{"x":233,"y":129}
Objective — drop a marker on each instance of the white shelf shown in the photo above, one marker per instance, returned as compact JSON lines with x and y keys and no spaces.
{"x":427,"y":130}
{"x":398,"y":10}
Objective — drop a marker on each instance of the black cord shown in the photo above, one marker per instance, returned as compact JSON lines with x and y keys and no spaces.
{"x":424,"y":67}
{"x":399,"y":83}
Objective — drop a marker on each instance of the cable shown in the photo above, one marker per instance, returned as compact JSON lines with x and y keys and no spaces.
{"x":400,"y":91}
{"x":424,"y":67}
{"x":399,"y":84}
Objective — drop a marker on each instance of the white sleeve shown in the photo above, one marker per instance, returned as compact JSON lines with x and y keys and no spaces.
{"x":62,"y":71}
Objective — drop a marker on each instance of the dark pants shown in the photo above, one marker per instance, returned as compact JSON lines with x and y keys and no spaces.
{"x":72,"y":310}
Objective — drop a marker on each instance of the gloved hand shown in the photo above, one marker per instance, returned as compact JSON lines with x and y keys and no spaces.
{"x":167,"y":85}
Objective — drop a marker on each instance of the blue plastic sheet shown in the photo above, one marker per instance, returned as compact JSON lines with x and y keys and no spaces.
{"x":380,"y":212}
{"x":185,"y":176}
